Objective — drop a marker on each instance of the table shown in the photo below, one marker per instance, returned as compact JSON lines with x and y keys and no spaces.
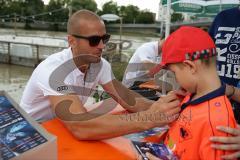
{"x":69,"y":148}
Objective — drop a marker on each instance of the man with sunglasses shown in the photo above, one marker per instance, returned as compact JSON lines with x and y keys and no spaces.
{"x":62,"y":83}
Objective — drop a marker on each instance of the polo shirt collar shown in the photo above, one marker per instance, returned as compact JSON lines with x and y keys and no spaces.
{"x":216,"y":93}
{"x":76,"y":71}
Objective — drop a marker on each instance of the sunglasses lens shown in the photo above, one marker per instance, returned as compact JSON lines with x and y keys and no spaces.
{"x":95,"y":40}
{"x":105,"y":38}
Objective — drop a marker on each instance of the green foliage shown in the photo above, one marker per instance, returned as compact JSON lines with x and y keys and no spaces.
{"x":129,"y":13}
{"x":109,"y":8}
{"x":21,"y":7}
{"x":177,"y":17}
{"x":145,"y":17}
{"x":33,"y":7}
{"x":75,"y":5}
{"x":57,"y":11}
{"x":119,"y":69}
{"x":83,"y":4}
{"x":60,"y":16}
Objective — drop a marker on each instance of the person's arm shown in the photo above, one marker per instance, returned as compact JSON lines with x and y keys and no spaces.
{"x":96,"y":125}
{"x":127,"y":98}
{"x":228,"y":143}
{"x":233,"y":93}
{"x":147,"y":66}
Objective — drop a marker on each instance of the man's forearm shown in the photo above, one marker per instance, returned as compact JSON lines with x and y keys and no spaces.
{"x":96,"y":126}
{"x":109,"y":126}
{"x":129,"y":99}
{"x":140,"y":103}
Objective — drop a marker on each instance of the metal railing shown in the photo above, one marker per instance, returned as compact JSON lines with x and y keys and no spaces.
{"x":31,"y":54}
{"x":34,"y":52}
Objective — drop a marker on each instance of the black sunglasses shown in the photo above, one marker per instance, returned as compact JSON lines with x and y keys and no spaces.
{"x":95,"y":40}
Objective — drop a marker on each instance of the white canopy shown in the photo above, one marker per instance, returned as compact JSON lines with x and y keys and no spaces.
{"x":110,"y":17}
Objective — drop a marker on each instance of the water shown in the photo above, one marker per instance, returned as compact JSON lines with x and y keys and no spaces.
{"x":59,"y":36}
{"x":13,"y":78}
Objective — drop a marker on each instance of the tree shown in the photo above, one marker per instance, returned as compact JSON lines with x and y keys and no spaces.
{"x":3,"y":7}
{"x":176,"y":17}
{"x":57,"y":11}
{"x":11,"y":8}
{"x":82,"y":4}
{"x":21,"y":8}
{"x":145,"y":17}
{"x":109,"y":7}
{"x":33,"y":7}
{"x":129,"y":13}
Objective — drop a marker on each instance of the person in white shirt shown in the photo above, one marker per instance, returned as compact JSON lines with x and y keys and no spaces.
{"x":61,"y":84}
{"x":144,"y":58}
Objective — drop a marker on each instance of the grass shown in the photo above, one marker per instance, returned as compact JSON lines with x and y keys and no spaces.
{"x":118,"y":69}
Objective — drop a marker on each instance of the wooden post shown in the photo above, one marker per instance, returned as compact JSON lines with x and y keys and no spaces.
{"x":9,"y":56}
{"x":38,"y":59}
{"x":120,"y":43}
{"x":15,"y":24}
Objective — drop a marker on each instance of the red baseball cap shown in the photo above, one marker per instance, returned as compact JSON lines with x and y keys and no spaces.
{"x":186,"y":43}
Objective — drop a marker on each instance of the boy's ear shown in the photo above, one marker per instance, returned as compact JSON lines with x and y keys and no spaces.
{"x":191,"y":65}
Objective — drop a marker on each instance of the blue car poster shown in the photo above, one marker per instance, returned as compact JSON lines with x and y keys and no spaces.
{"x":17,"y":135}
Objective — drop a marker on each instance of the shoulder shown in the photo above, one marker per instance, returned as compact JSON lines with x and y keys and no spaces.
{"x":149,"y":45}
{"x":219,"y":112}
{"x":105,"y":63}
{"x":231,"y":10}
{"x":50,"y":64}
{"x":55,"y":59}
{"x":228,"y":13}
{"x":59,"y":57}
{"x":145,"y":49}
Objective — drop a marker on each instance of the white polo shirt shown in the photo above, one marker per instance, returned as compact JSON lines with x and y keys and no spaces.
{"x":58,"y":75}
{"x":146,"y":52}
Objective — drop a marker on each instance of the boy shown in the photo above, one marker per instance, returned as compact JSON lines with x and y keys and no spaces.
{"x":190,"y":53}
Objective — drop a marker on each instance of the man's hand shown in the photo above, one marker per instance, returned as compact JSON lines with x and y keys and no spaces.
{"x":228,"y":143}
{"x":233,"y":93}
{"x":165,"y":110}
{"x":180,"y":93}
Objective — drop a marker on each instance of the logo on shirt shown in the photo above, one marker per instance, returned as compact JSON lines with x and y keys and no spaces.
{"x":217,"y":104}
{"x":185,"y":134}
{"x":170,"y":143}
{"x":62,"y":88}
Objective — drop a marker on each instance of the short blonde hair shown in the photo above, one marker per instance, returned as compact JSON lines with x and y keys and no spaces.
{"x":75,"y":20}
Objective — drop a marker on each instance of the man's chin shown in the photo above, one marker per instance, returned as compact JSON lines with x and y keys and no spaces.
{"x":95,"y":59}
